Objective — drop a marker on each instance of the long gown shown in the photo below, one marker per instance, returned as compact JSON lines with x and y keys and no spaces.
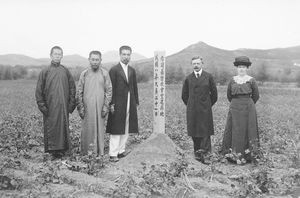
{"x":241,"y":131}
{"x":94,"y":94}
{"x":55,"y":96}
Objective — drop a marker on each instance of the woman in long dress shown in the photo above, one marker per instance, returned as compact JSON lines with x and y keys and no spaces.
{"x":241,"y":131}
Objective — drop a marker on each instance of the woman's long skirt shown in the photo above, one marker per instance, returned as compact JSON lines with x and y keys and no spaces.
{"x":241,"y":131}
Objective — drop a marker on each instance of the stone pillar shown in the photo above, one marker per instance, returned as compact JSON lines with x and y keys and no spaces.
{"x":159,"y":92}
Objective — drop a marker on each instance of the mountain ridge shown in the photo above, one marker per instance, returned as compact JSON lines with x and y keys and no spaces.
{"x":71,"y":60}
{"x":276,"y":57}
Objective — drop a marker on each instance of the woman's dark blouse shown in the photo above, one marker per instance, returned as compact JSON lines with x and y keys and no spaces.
{"x":248,"y":88}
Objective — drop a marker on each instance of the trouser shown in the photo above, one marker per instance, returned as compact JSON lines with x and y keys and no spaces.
{"x":202,"y":143}
{"x":117,"y":143}
{"x":57,"y":153}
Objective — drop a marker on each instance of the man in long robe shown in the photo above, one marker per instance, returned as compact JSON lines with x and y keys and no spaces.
{"x":93,"y":97}
{"x":199,"y":94}
{"x":122,"y":119}
{"x":55,"y":97}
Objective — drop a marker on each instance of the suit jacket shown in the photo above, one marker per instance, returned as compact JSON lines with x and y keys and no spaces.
{"x":199,"y":94}
{"x":121,"y":87}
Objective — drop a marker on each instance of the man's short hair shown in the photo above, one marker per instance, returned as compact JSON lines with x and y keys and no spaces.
{"x":197,"y":57}
{"x":125,"y":47}
{"x":56,"y":47}
{"x":96,"y":53}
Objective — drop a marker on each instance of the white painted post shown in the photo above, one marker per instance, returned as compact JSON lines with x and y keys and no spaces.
{"x":159,"y":91}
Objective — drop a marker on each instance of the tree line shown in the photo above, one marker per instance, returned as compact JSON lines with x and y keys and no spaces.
{"x":12,"y":73}
{"x":221,"y":74}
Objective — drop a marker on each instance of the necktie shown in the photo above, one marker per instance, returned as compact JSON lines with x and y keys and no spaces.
{"x":198,"y":75}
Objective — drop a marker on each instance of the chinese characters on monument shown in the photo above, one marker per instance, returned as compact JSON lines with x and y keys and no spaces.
{"x":159,"y":92}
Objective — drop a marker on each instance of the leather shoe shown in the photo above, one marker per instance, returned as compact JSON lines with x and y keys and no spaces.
{"x":121,"y":155}
{"x":56,"y":156}
{"x":199,"y":158}
{"x":113,"y":159}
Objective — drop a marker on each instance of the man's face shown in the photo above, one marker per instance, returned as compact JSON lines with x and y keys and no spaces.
{"x":197,"y":64}
{"x":95,"y":61}
{"x":242,"y":70}
{"x":125,"y":56}
{"x":56,"y":55}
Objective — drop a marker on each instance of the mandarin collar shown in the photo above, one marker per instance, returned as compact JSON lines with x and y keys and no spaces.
{"x":55,"y":64}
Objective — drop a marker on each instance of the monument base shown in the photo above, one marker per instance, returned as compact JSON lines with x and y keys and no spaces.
{"x":157,"y":149}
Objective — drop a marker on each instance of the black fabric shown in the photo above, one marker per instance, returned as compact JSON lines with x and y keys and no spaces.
{"x":202,"y":143}
{"x":55,"y":97}
{"x":121,"y":87}
{"x":199,"y":95}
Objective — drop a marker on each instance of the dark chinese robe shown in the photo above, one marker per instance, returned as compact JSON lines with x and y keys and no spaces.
{"x":55,"y":96}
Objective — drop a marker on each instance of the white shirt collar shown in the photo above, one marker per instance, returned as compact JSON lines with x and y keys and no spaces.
{"x":123,"y":65}
{"x":125,"y":69}
{"x":199,"y":72}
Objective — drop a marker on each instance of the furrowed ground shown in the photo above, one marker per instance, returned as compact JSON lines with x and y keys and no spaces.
{"x":25,"y":170}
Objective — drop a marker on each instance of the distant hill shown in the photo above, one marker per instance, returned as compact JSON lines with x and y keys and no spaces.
{"x":290,"y":53}
{"x":113,"y":56}
{"x":274,"y":59}
{"x":68,"y":60}
{"x":74,"y":60}
{"x":17,"y":59}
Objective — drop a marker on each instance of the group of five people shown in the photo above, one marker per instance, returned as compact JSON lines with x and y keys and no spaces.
{"x":114,"y":94}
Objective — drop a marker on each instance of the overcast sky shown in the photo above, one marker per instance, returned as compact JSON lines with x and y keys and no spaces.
{"x":32,"y":27}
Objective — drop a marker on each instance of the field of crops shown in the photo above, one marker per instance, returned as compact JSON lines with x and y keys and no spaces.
{"x":25,"y":170}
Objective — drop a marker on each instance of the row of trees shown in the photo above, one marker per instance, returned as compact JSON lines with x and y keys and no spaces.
{"x":173,"y":75}
{"x":12,"y":73}
{"x":222,"y":74}
{"x":21,"y":72}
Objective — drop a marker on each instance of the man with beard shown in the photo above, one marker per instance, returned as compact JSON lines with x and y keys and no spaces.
{"x":199,"y":93}
{"x":55,"y":96}
{"x":122,"y":119}
{"x":93,"y":98}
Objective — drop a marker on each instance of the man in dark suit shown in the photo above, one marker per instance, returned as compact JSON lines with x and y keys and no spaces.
{"x":122,"y":118}
{"x":199,"y":93}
